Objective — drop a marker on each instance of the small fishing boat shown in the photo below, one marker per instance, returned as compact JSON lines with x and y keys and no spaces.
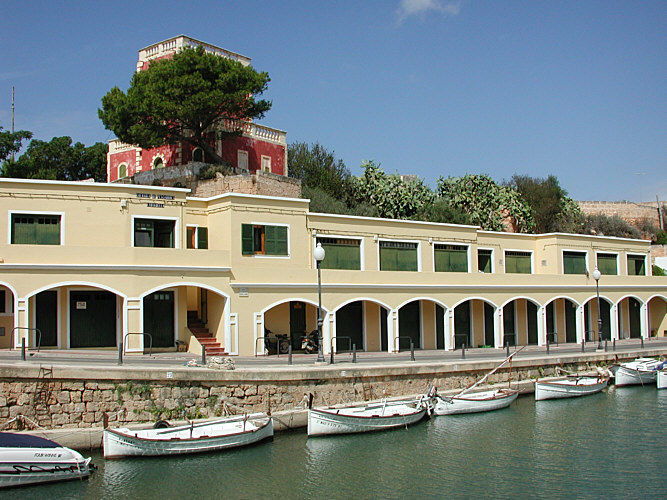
{"x":570,"y":387}
{"x":639,"y":371}
{"x":474,"y":402}
{"x":201,"y":437}
{"x":662,"y":379}
{"x":371,"y":417}
{"x":27,"y":459}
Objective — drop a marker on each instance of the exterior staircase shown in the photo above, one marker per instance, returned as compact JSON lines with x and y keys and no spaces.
{"x":205,"y":338}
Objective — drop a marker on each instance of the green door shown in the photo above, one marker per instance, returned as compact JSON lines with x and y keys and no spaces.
{"x":46,"y":304}
{"x":509,"y":325}
{"x":531,"y":311}
{"x":159,"y":318}
{"x":635,"y":321}
{"x":297,"y":323}
{"x":350,"y":323}
{"x":384,"y":332}
{"x":409,"y":325}
{"x":439,"y":327}
{"x":488,"y":325}
{"x":570,"y":322}
{"x":462,"y":325}
{"x":92,"y":319}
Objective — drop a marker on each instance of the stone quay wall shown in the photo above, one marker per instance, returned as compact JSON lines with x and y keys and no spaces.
{"x":66,"y":397}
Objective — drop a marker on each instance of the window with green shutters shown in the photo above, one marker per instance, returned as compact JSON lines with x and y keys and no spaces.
{"x":28,"y":229}
{"x":341,"y":253}
{"x":451,"y":258}
{"x":517,"y":262}
{"x":197,"y":237}
{"x":607,"y":264}
{"x":574,"y":262}
{"x":257,"y":239}
{"x":484,"y":258}
{"x":398,"y":256}
{"x":636,"y":265}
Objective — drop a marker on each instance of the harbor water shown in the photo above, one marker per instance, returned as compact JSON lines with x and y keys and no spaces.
{"x":609,"y":445}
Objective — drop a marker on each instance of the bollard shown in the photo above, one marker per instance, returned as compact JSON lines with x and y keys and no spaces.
{"x":331,"y":361}
{"x":120,"y":353}
{"x":613,"y":345}
{"x":412,"y":351}
{"x":642,"y":339}
{"x":203,"y":356}
{"x":463,"y":351}
{"x":289,"y":354}
{"x":605,"y":345}
{"x":354,"y":353}
{"x":507,"y":346}
{"x":23,"y":349}
{"x":583,"y":346}
{"x":547,"y":346}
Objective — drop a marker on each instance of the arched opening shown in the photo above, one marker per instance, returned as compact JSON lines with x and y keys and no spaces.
{"x":158,"y":162}
{"x":206,"y":321}
{"x":521,"y":322}
{"x":628,"y":317}
{"x":122,"y":170}
{"x":287,"y":323}
{"x":474,"y":324}
{"x":6,"y":316}
{"x":561,"y":321}
{"x":198,"y":155}
{"x":657,"y":316}
{"x":591,"y":315}
{"x":363,"y":324}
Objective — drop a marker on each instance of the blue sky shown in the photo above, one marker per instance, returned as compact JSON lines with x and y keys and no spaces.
{"x":577,"y":89}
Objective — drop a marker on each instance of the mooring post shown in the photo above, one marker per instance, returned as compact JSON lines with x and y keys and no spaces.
{"x":605,"y":345}
{"x":507,"y":346}
{"x":547,"y":345}
{"x":23,"y":348}
{"x":412,"y":351}
{"x":354,"y":353}
{"x":642,"y":339}
{"x":463,"y":351}
{"x":203,"y":356}
{"x":120,"y":352}
{"x":583,"y":345}
{"x":613,"y":345}
{"x":289,"y":354}
{"x":331,"y":361}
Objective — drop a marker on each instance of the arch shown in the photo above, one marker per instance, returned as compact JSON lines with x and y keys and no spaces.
{"x":566,"y":297}
{"x":532,"y":326}
{"x":373,"y":324}
{"x":430,"y":299}
{"x":198,"y":155}
{"x":184,"y":283}
{"x":363,"y":299}
{"x":77,"y":283}
{"x":519,"y":297}
{"x":475,"y":297}
{"x":158,"y":161}
{"x":563,"y":327}
{"x":462,"y":327}
{"x":591,"y":328}
{"x":122,"y":170}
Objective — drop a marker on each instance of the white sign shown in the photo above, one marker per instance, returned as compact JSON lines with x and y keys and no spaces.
{"x":243,"y":292}
{"x":81,"y":305}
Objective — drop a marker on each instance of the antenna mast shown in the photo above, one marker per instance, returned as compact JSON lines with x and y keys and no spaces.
{"x":12,"y":116}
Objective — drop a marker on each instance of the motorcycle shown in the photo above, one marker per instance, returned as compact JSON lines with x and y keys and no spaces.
{"x":275,"y":342}
{"x":309,"y":343}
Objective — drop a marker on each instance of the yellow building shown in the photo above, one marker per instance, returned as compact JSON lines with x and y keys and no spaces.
{"x":88,"y":265}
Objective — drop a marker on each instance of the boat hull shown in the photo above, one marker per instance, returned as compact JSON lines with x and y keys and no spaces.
{"x":569,"y":388}
{"x":662,"y":379}
{"x":475,"y":403}
{"x":25,"y":466}
{"x":202,"y":438}
{"x":363,"y":419}
{"x":641,"y":371}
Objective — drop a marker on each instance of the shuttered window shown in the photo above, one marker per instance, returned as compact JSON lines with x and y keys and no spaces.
{"x":263,"y":240}
{"x":607,"y":264}
{"x":451,"y":258}
{"x":636,"y":265}
{"x":484,"y":260}
{"x":398,"y":256}
{"x":197,"y":237}
{"x":341,"y":253}
{"x":574,"y":262}
{"x":35,"y":229}
{"x":518,"y":262}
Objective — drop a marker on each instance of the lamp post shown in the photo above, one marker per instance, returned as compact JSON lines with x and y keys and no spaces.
{"x":319,"y":254}
{"x":596,"y":276}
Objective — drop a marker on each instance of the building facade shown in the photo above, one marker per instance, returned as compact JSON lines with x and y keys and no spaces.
{"x":100,"y":266}
{"x":257,"y":148}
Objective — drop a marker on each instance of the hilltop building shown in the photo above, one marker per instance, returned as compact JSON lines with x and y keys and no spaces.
{"x":257,"y":148}
{"x":100,"y":265}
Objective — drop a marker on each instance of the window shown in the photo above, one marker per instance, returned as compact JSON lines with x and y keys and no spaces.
{"x":608,"y":264}
{"x":266,"y":163}
{"x":341,"y":253}
{"x":122,"y":170}
{"x":484,"y":260}
{"x":37,"y":229}
{"x":451,"y":258}
{"x":636,"y":265}
{"x":398,"y":256}
{"x":242,"y":160}
{"x":518,"y":262}
{"x":197,"y":237}
{"x":574,"y":262}
{"x":257,"y":239}
{"x":155,"y":233}
{"x":198,"y":155}
{"x":158,"y":162}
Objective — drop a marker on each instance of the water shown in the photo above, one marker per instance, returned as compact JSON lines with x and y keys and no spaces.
{"x":609,"y":445}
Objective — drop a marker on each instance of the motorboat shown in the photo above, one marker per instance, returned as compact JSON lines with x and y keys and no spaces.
{"x":26,"y":459}
{"x":662,"y":379}
{"x":214,"y":435}
{"x":370,"y":417}
{"x":640,"y":371}
{"x":474,"y":402}
{"x":569,"y":387}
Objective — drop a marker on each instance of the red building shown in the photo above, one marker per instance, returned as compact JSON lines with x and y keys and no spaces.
{"x":257,"y":148}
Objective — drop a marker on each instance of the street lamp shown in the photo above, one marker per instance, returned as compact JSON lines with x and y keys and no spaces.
{"x":596,"y":276}
{"x":319,"y":254}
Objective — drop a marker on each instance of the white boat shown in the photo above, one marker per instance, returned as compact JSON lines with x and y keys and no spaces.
{"x":662,"y":379}
{"x":27,"y":459}
{"x":639,"y":371}
{"x":570,"y":387}
{"x":193,"y":438}
{"x":372,"y":417}
{"x":474,"y":402}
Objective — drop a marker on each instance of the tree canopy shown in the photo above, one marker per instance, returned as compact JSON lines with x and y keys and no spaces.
{"x":59,"y":159}
{"x":185,"y":98}
{"x":10,"y":142}
{"x":318,"y":168}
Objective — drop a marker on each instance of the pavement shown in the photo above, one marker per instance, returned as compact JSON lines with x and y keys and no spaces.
{"x":101,"y":358}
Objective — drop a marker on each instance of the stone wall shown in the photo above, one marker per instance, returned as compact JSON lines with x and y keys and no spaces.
{"x":626,"y":210}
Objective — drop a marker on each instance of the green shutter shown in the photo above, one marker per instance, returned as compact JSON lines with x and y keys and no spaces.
{"x":340,"y":254}
{"x":484,"y":261}
{"x":246,"y":239}
{"x":517,"y":263}
{"x":36,"y":229}
{"x":574,"y":263}
{"x":202,"y":237}
{"x":398,"y":256}
{"x":636,"y":265}
{"x":275,"y":240}
{"x":607,"y":264}
{"x":449,"y":258}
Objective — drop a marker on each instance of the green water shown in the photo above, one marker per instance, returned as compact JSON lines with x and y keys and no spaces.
{"x":610,"y":445}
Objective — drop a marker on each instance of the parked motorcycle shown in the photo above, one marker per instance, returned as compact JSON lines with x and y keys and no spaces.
{"x":309,"y":343}
{"x":275,"y":342}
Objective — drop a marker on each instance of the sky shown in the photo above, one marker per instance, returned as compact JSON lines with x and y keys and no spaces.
{"x":436,"y":88}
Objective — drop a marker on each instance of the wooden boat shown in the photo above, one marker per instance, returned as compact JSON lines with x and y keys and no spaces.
{"x":26,"y":459}
{"x":639,"y":371}
{"x":662,"y":379}
{"x":474,"y":402}
{"x":371,"y":417}
{"x":202,"y":437}
{"x":570,"y":387}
